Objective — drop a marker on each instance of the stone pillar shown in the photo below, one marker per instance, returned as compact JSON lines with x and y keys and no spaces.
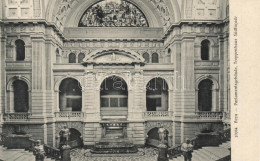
{"x":188,"y":87}
{"x":38,"y":92}
{"x":187,"y":75}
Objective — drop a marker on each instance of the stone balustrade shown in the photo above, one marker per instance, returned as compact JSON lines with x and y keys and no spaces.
{"x":17,"y":117}
{"x":69,"y":116}
{"x":209,"y":115}
{"x":158,"y":115}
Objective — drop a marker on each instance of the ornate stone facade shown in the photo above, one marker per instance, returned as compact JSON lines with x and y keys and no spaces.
{"x":58,"y":53}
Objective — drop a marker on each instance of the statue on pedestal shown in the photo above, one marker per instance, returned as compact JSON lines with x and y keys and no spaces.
{"x":64,"y":136}
{"x":162,"y":135}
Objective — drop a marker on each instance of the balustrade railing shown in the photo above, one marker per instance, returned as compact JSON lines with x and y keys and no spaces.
{"x":69,"y":115}
{"x":52,"y":152}
{"x":158,"y":114}
{"x":17,"y":116}
{"x":209,"y":115}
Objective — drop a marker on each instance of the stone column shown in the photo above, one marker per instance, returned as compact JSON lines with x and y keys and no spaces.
{"x":39,"y":85}
{"x":188,"y":87}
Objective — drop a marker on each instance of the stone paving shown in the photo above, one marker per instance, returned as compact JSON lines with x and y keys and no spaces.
{"x":146,"y":154}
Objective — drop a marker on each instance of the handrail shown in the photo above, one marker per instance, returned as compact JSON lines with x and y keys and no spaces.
{"x":52,"y":152}
{"x":223,"y":136}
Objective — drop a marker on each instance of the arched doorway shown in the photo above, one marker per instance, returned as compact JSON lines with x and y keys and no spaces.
{"x":75,"y":139}
{"x":113,"y":97}
{"x":157,"y":95}
{"x":70,"y":96}
{"x":153,"y":137}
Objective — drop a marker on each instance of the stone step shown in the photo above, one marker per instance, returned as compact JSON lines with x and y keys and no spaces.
{"x":208,"y":153}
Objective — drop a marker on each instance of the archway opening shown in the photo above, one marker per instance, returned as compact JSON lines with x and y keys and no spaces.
{"x":70,"y":96}
{"x":205,"y":95}
{"x":153,"y":137}
{"x":113,"y":97}
{"x":157,"y":95}
{"x":21,"y":96}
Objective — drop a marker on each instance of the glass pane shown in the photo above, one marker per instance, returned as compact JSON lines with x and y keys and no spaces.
{"x":123,"y":102}
{"x":104,"y":102}
{"x":113,"y":102}
{"x":158,"y":102}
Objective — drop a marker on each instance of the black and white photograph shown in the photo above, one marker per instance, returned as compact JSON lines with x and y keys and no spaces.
{"x":118,"y":80}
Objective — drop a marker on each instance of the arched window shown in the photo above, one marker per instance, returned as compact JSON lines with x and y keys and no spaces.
{"x":113,"y":13}
{"x":157,"y":95}
{"x":81,"y":56}
{"x":205,"y":44}
{"x":205,"y":95}
{"x":72,"y":58}
{"x":70,"y":96}
{"x":114,"y":97}
{"x":21,"y":96}
{"x":155,"y":58}
{"x":146,"y":57}
{"x":20,"y":49}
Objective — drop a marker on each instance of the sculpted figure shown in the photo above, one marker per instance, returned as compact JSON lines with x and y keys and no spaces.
{"x":64,"y":135}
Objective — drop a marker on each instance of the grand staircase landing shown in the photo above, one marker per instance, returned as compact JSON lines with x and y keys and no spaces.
{"x":209,"y":153}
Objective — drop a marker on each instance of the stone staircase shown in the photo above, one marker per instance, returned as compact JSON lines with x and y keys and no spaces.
{"x":17,"y":155}
{"x":209,"y":153}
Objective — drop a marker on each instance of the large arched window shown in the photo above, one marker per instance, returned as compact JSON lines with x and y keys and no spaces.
{"x":146,"y":57}
{"x":113,"y":13}
{"x":155,"y":58}
{"x":21,"y":96}
{"x":205,"y":45}
{"x":81,"y":56}
{"x":113,"y":97}
{"x":72,"y":58}
{"x":205,"y":95}
{"x":20,"y":49}
{"x":70,"y":96}
{"x":157,"y":95}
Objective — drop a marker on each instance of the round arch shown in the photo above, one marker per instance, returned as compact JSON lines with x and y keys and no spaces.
{"x":203,"y":77}
{"x":215,"y":91}
{"x":58,"y":82}
{"x":23,"y":78}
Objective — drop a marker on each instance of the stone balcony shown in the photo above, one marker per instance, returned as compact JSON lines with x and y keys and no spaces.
{"x":158,"y":115}
{"x":69,"y":116}
{"x":17,"y":117}
{"x":209,"y":115}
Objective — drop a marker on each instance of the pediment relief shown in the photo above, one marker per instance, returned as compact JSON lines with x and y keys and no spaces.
{"x":113,"y":57}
